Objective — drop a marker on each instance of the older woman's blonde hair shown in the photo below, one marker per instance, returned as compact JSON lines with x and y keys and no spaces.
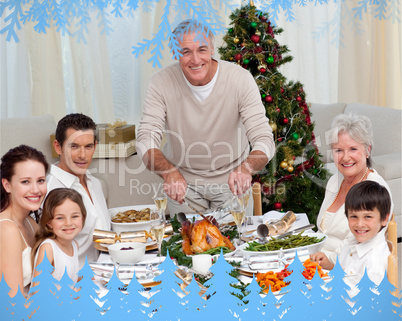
{"x":359,"y":129}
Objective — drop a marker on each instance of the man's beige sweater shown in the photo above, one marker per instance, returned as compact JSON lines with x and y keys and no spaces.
{"x":206,"y":139}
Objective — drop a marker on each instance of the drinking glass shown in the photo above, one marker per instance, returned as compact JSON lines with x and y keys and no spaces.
{"x":160,"y":199}
{"x":158,"y":230}
{"x":244,"y":198}
{"x":238,"y":212}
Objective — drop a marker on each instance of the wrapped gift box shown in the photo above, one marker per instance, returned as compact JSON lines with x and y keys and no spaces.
{"x":108,"y":150}
{"x":122,"y":134}
{"x":115,"y":150}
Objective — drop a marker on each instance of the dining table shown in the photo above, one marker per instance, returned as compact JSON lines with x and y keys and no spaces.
{"x":147,"y":268}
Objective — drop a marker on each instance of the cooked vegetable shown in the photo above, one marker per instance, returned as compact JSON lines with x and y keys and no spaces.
{"x":310,"y":268}
{"x":275,"y":280}
{"x":288,"y":242}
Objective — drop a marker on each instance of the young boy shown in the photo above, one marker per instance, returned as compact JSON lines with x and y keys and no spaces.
{"x":367,"y":207}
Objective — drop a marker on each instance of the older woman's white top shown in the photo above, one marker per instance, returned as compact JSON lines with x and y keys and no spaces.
{"x":335,"y":225}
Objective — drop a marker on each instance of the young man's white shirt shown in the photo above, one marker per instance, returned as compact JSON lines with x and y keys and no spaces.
{"x":371,"y":255}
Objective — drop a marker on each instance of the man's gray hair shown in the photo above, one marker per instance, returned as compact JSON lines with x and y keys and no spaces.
{"x":357,"y":126}
{"x":190,"y":26}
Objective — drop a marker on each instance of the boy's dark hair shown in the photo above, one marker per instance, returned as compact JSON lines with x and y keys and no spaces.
{"x":368,"y":195}
{"x":74,"y":121}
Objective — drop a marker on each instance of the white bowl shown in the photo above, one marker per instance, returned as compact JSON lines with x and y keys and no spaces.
{"x":133,"y":255}
{"x":130,"y":227}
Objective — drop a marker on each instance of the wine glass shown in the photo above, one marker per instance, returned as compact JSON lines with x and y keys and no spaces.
{"x":244,"y":198}
{"x":158,"y":230}
{"x":238,"y":212}
{"x":160,"y":199}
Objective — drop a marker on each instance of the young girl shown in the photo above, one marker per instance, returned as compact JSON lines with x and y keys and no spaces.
{"x":23,"y":188}
{"x":63,"y":217}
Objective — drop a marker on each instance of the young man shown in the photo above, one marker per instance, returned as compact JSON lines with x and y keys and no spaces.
{"x":75,"y":143}
{"x":367,"y":207}
{"x":211,"y":112}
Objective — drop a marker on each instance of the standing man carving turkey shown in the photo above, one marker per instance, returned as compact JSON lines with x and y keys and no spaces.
{"x":210,"y":111}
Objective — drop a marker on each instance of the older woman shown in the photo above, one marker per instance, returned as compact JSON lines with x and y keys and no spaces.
{"x":351,"y":139}
{"x":23,"y":188}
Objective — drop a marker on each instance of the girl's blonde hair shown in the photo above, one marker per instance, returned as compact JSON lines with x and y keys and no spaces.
{"x":55,"y":198}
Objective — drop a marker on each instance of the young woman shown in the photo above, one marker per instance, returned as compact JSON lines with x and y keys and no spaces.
{"x":23,"y":188}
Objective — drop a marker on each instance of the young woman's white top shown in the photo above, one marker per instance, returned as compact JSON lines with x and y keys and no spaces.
{"x":26,"y":257}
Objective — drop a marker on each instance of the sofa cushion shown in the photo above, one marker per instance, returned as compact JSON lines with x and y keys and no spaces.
{"x":388,"y":166}
{"x":386,"y":123}
{"x":31,"y":131}
{"x":322,"y":115}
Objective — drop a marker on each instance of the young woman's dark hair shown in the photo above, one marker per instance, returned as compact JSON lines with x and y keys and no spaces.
{"x":16,"y":155}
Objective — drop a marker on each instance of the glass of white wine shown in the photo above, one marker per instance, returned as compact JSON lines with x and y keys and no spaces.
{"x":238,"y":212}
{"x":244,"y":198}
{"x":160,"y":200}
{"x":158,"y":230}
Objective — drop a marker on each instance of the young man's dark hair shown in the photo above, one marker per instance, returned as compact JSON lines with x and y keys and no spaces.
{"x":76,"y":122}
{"x":368,"y":195}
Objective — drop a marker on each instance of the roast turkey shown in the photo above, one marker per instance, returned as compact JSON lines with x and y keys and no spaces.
{"x":201,"y":236}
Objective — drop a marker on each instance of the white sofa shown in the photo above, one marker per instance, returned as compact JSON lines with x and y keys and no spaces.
{"x":386,"y":151}
{"x":127,"y":182}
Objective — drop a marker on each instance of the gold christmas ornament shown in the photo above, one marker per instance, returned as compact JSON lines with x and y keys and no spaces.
{"x":291,"y":162}
{"x":236,"y":40}
{"x":258,"y":33}
{"x":290,"y":169}
{"x":283,"y":164}
{"x":273,"y":126}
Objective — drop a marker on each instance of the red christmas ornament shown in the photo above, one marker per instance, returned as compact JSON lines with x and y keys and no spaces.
{"x":277,"y":205}
{"x":282,"y":90}
{"x":298,"y":98}
{"x":255,"y":38}
{"x":238,"y":57}
{"x":262,"y":70}
{"x":285,"y":121}
{"x":269,"y":99}
{"x":278,"y":110}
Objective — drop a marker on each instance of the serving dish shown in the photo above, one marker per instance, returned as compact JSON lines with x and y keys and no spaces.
{"x":312,"y":248}
{"x":130,"y":227}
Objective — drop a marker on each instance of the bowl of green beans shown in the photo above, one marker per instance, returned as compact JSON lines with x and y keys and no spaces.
{"x":301,"y":242}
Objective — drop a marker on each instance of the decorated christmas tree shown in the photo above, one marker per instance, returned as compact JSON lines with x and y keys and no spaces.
{"x":295,"y":178}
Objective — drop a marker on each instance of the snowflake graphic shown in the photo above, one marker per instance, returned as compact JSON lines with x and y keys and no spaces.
{"x":71,"y":17}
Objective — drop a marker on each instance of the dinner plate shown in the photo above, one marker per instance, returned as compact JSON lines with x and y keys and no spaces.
{"x":104,"y":247}
{"x":145,"y":281}
{"x":312,"y":248}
